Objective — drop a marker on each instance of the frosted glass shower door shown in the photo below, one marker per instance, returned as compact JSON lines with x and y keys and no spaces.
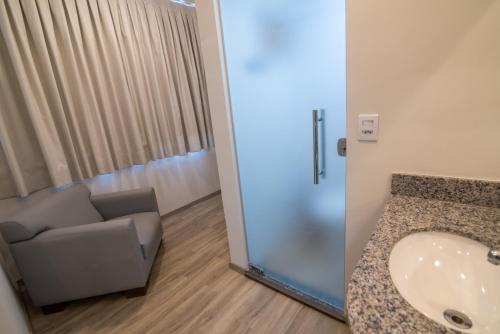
{"x":284,"y":60}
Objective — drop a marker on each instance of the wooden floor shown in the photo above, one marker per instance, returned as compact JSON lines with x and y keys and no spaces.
{"x":192,"y":290}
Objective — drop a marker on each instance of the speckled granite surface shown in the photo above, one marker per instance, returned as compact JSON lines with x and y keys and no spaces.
{"x":373,"y":303}
{"x":476,"y":192}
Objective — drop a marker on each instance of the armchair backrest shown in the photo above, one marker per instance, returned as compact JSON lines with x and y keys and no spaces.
{"x":69,"y":207}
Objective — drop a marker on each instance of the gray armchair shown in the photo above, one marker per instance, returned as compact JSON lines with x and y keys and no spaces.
{"x":73,"y":245}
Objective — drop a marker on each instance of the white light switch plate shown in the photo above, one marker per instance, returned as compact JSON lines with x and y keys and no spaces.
{"x":368,"y":127}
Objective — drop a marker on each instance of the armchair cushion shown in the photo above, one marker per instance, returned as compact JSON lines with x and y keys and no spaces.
{"x":122,"y":203}
{"x":70,"y":207}
{"x":149,"y":231}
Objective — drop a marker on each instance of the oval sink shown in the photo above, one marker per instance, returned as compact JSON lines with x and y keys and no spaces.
{"x":448,"y":278}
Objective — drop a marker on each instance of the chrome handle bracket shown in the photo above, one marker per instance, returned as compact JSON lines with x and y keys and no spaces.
{"x":342,"y":147}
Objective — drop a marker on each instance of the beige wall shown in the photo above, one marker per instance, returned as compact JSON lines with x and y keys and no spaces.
{"x":431,"y":70}
{"x":13,"y":319}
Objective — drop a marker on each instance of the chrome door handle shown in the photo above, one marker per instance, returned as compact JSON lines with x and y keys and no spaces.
{"x":317,"y":169}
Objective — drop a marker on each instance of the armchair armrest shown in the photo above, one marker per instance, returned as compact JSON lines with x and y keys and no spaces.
{"x":80,"y":261}
{"x":117,"y":204}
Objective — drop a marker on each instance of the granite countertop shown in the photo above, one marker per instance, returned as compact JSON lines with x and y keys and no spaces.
{"x":418,"y":203}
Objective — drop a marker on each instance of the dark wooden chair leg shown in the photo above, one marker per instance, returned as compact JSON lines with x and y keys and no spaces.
{"x":55,"y":308}
{"x":137,"y":292}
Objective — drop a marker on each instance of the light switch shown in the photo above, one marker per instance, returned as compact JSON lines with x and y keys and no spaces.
{"x":368,"y":127}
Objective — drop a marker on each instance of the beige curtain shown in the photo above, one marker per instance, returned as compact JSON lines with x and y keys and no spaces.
{"x":91,"y":86}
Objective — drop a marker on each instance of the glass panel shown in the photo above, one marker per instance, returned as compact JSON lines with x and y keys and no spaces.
{"x":285,"y":59}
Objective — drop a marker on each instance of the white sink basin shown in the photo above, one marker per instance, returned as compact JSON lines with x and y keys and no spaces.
{"x":436,"y":272}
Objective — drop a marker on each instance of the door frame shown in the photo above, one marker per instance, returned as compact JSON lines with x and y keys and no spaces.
{"x":212,"y":45}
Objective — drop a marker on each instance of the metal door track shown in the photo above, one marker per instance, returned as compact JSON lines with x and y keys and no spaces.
{"x":258,"y":275}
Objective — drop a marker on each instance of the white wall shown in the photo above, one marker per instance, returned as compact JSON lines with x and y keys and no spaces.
{"x":431,"y":70}
{"x":213,"y":57}
{"x":178,"y":181}
{"x":13,"y":319}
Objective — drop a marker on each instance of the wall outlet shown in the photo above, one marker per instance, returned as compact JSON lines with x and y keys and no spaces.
{"x":368,"y":127}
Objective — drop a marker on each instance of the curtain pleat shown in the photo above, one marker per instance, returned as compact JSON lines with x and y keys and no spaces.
{"x":92,"y":86}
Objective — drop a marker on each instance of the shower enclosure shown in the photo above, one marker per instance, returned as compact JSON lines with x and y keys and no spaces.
{"x":286,"y":73}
